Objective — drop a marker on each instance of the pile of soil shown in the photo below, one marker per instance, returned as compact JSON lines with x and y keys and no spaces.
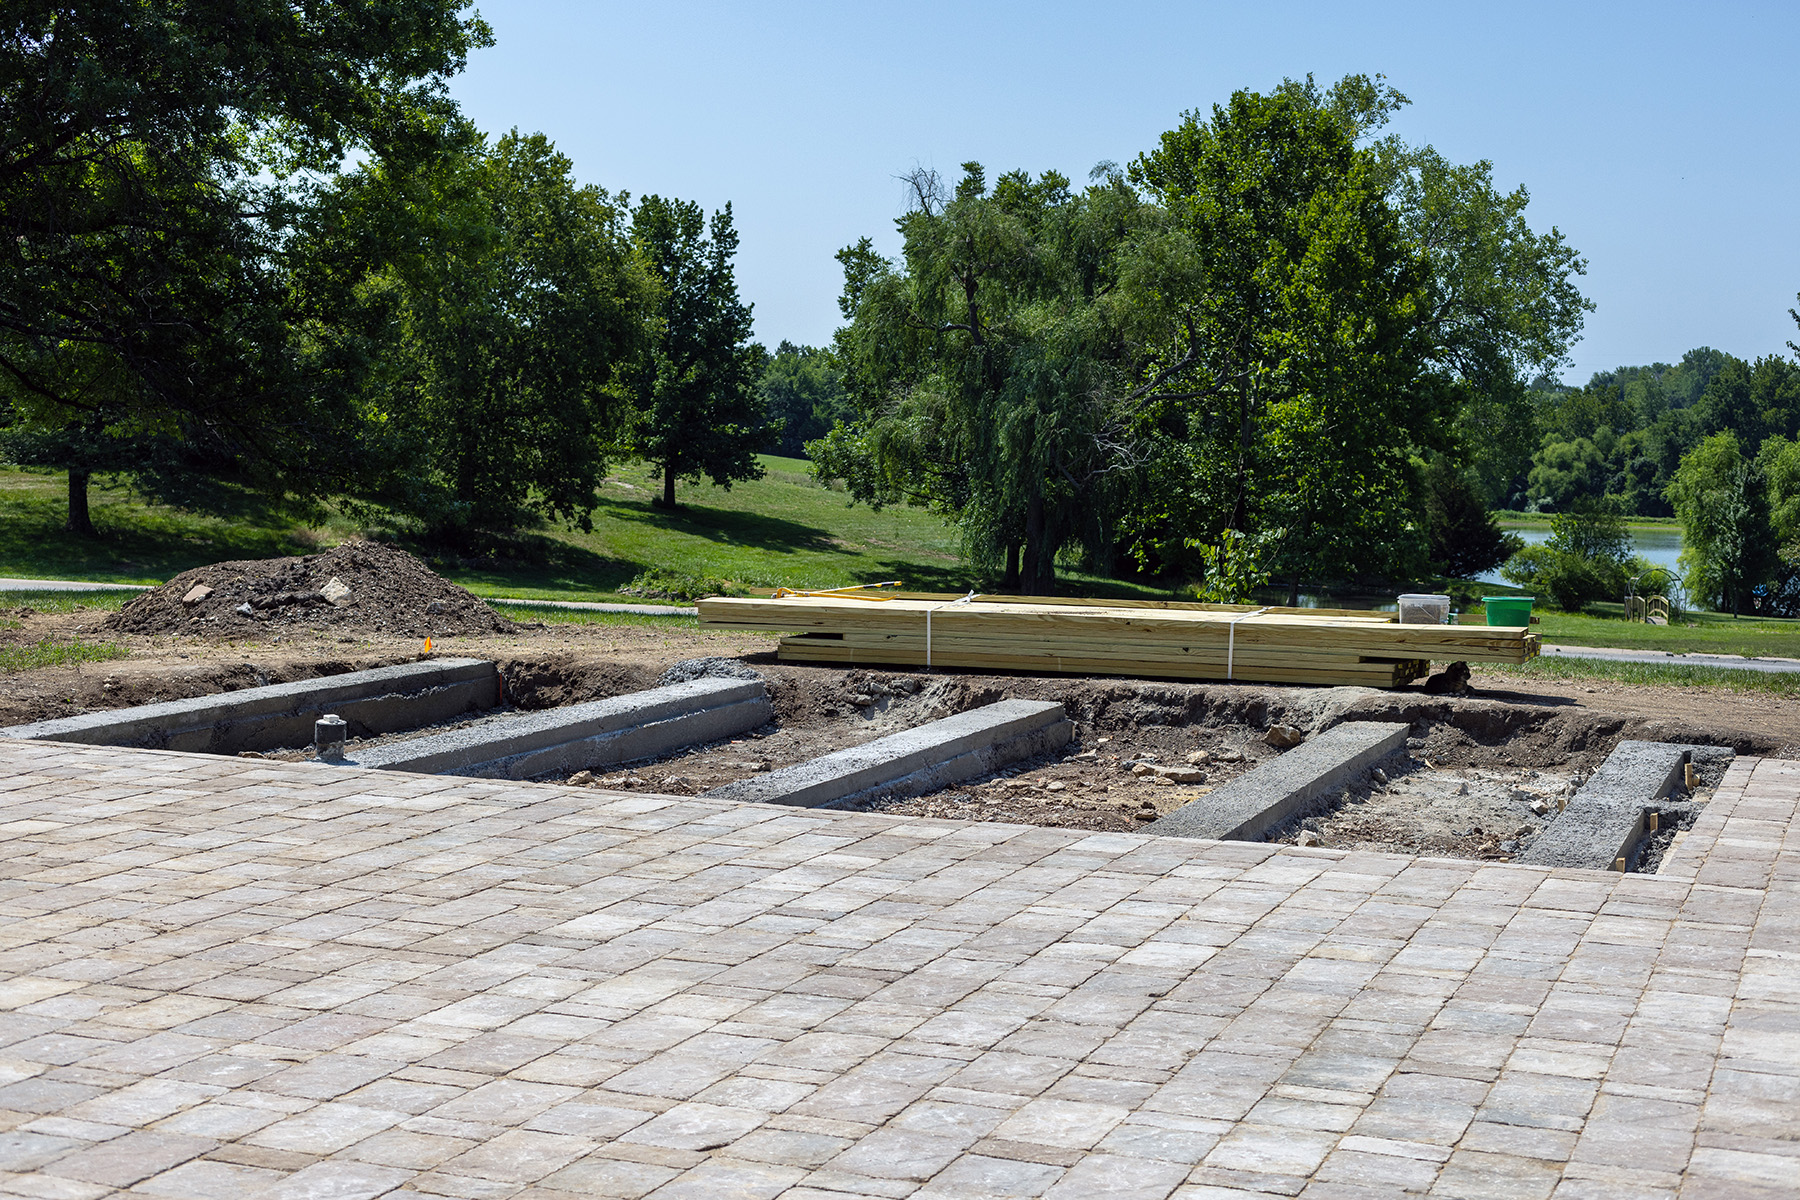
{"x":389,"y":591}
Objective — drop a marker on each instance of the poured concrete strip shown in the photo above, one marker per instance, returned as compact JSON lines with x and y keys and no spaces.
{"x":917,"y":761}
{"x":1601,"y":826}
{"x":1253,"y":804}
{"x":382,"y":700}
{"x":580,"y":736}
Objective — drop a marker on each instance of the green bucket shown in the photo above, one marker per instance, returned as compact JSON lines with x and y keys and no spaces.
{"x":1507,"y":610}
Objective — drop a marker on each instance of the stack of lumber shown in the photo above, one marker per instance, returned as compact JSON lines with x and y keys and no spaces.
{"x":1093,"y":637}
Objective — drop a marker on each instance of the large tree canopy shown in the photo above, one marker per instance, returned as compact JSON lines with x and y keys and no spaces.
{"x":151,"y":157}
{"x":472,"y":318}
{"x":990,"y":367}
{"x":1291,"y":356}
{"x":1267,"y":326}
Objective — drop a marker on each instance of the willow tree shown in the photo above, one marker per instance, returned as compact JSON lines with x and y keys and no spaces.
{"x":989,"y":364}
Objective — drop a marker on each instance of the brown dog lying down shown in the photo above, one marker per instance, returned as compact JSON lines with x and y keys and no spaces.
{"x":1452,"y":680}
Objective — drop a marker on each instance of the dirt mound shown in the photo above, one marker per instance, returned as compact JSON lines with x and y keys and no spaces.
{"x":361,"y":587}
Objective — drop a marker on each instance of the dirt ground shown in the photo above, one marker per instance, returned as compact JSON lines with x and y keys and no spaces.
{"x":1505,"y":745}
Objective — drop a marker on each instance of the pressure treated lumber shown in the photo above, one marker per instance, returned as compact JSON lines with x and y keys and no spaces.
{"x":1191,"y":641}
{"x":1349,"y":673}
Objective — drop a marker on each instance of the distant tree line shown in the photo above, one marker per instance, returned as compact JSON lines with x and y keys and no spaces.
{"x":252,"y":243}
{"x":1713,"y":440}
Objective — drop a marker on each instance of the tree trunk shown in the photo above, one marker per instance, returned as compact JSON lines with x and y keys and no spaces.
{"x":668,"y":496}
{"x":79,"y":522}
{"x":1294,"y":593}
{"x":1010,"y":581}
{"x":1040,"y":556}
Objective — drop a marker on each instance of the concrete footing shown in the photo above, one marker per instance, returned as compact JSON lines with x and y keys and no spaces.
{"x":1253,"y":804}
{"x":383,"y":700}
{"x":582,"y":736}
{"x":1604,"y":821}
{"x":917,"y":761}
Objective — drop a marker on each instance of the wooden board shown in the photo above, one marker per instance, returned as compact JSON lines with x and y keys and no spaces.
{"x":1128,"y":629}
{"x":806,"y":648}
{"x":1140,"y":638}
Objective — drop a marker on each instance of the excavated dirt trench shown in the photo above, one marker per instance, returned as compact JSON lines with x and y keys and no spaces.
{"x":1464,"y":786}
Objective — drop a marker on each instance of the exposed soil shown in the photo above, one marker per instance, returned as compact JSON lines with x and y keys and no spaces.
{"x":386,"y":590}
{"x":1518,"y":738}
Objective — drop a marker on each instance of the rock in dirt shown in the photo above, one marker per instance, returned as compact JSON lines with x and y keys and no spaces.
{"x":336,"y":593}
{"x":1309,"y":838}
{"x":196,"y":594}
{"x":1283,"y":737}
{"x":389,"y":591}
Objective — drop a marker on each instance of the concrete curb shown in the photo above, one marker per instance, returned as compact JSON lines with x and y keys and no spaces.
{"x":1251,"y":805}
{"x":916,"y":761}
{"x":1601,"y":826}
{"x":383,"y":700}
{"x":580,"y":736}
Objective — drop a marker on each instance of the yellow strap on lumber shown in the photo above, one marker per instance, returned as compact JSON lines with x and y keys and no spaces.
{"x":843,"y":593}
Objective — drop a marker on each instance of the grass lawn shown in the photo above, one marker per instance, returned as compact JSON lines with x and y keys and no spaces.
{"x":783,"y":530}
{"x":139,"y":543}
{"x":1654,"y":675}
{"x":1512,"y":519}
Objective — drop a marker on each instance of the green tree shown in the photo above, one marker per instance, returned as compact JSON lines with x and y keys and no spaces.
{"x":1284,"y":307}
{"x":1465,"y":540}
{"x":1592,"y":530}
{"x":477,"y":315}
{"x":1501,"y":304}
{"x":1754,"y":400}
{"x":153,"y":156}
{"x":1728,"y":544}
{"x":698,"y":407}
{"x":804,"y":390}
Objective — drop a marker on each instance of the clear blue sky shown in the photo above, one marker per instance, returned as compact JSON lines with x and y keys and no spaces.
{"x":1662,"y":139}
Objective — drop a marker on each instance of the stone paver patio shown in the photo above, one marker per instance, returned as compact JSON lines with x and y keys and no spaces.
{"x":237,"y":979}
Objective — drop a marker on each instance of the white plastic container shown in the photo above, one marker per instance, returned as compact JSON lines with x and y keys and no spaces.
{"x":1423,"y":608}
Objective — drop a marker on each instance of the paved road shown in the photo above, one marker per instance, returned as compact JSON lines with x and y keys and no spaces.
{"x":67,"y":585}
{"x":1731,"y":662}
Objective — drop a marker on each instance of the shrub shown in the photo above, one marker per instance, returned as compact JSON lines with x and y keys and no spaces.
{"x":1569,"y":581}
{"x":660,"y":583}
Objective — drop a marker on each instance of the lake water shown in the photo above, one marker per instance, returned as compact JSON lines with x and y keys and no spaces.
{"x":1661,"y":545}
